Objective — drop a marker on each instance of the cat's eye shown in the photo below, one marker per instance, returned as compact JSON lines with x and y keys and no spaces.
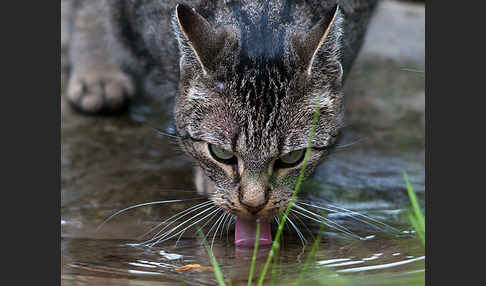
{"x":222,"y":155}
{"x":291,"y":159}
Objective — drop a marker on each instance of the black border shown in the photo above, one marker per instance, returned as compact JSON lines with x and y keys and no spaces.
{"x":454,"y":31}
{"x":428,"y":272}
{"x":57,"y":114}
{"x":32,"y":141}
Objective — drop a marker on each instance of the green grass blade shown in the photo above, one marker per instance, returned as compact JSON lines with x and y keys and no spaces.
{"x":255,"y":251}
{"x":416,"y":217}
{"x":276,"y":242}
{"x":217,"y":271}
{"x":415,"y":205}
{"x":274,"y":268}
{"x":415,"y":225}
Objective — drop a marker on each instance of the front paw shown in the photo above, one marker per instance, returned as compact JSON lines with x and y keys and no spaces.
{"x":98,"y":91}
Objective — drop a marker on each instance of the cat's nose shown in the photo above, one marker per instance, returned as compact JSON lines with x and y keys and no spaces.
{"x":253,"y":201}
{"x":254,"y":209}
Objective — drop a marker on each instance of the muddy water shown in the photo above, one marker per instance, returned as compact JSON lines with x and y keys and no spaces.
{"x":110,"y":163}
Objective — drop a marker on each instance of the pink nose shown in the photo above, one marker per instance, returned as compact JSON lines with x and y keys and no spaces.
{"x":254,"y":209}
{"x":253,"y":201}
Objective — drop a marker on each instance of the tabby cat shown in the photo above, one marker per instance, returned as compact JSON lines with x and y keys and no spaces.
{"x":246,"y":78}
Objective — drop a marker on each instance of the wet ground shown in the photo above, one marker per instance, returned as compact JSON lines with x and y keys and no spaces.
{"x":110,"y":163}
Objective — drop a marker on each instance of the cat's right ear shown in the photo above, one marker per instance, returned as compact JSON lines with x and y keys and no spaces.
{"x":200,"y":44}
{"x":323,"y":37}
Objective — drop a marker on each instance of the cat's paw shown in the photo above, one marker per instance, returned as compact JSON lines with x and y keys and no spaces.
{"x":99,"y":91}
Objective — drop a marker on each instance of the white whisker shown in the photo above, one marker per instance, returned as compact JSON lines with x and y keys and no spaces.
{"x":216,"y":231}
{"x":226,"y":215}
{"x":355,"y":215}
{"x":183,"y":222}
{"x":305,"y":225}
{"x":226,"y":221}
{"x":136,"y":206}
{"x":186,"y":211}
{"x":165,"y":236}
{"x":302,"y":239}
{"x":158,"y":235}
{"x":327,"y":222}
{"x":214,"y":225}
{"x":384,"y":225}
{"x":210,"y":219}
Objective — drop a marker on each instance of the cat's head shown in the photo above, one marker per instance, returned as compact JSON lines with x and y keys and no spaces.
{"x":246,"y":102}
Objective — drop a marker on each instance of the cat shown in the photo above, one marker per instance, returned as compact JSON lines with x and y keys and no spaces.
{"x":246,"y":76}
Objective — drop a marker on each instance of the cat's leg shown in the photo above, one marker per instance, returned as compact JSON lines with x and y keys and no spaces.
{"x":96,"y":83}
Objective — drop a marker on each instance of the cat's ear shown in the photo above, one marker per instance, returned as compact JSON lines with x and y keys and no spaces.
{"x":198,"y":40}
{"x":324,"y":36}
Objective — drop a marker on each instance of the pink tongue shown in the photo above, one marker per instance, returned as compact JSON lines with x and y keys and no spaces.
{"x":245,"y":232}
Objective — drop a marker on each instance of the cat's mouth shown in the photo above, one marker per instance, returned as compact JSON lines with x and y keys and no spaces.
{"x":247,"y":221}
{"x":246,"y":231}
{"x":248,"y":218}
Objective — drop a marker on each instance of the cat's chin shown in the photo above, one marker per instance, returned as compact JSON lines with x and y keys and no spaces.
{"x":246,"y":230}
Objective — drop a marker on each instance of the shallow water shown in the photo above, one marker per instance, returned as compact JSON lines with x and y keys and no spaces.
{"x":110,"y":163}
{"x":114,"y":261}
{"x":380,"y":258}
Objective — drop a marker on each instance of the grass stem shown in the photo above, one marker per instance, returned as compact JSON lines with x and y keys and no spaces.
{"x":217,"y":271}
{"x":255,"y":251}
{"x":416,"y":217}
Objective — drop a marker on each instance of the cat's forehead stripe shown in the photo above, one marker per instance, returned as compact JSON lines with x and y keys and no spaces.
{"x":260,"y":91}
{"x":261,"y":26}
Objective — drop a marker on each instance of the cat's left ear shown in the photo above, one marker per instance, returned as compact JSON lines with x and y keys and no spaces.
{"x":324,"y":36}
{"x":199,"y":42}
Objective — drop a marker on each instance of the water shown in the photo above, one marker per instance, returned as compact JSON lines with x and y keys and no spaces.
{"x":98,"y":258}
{"x":114,"y":261}
{"x":110,"y":163}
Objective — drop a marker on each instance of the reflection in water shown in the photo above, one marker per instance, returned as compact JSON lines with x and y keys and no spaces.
{"x":113,"y":258}
{"x":382,"y":266}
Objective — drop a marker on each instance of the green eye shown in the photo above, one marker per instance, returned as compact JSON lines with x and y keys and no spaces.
{"x":221,"y":155}
{"x":291,"y":159}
